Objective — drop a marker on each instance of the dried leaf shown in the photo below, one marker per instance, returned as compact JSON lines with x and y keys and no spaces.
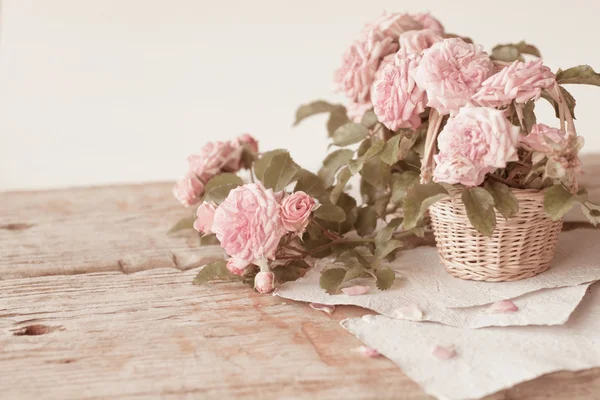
{"x":581,"y":74}
{"x":332,"y":163}
{"x":385,"y":278}
{"x":183,"y":224}
{"x":504,"y":306}
{"x":513,"y":51}
{"x":504,"y":199}
{"x":356,"y":290}
{"x":349,"y":133}
{"x":216,"y":270}
{"x":568,"y":98}
{"x":418,"y":199}
{"x":479,"y":205}
{"x":210,"y":239}
{"x":316,"y":107}
{"x":330,"y":212}
{"x":218,"y":187}
{"x":331,"y":279}
{"x":280,"y":172}
{"x":557,"y":201}
{"x":366,"y":221}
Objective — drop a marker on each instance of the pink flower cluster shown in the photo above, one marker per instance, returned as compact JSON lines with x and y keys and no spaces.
{"x":251,"y":222}
{"x":477,"y":141}
{"x":214,"y":158}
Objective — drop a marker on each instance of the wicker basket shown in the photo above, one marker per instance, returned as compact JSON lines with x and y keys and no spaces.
{"x":519,"y":248}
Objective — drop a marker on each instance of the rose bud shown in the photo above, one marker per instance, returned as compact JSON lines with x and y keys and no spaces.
{"x":264,"y":282}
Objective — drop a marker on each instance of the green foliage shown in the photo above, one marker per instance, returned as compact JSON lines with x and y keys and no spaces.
{"x":216,"y":270}
{"x":332,"y":163}
{"x":349,"y":133}
{"x":342,"y":180}
{"x":263,"y":162}
{"x":316,"y":107}
{"x":385,"y":278}
{"x":418,"y":199}
{"x":183,"y":224}
{"x":366,"y":221}
{"x":376,"y":173}
{"x":479,"y":205}
{"x":581,"y":74}
{"x":290,"y":271}
{"x":401,"y":182}
{"x":369,"y":119}
{"x":391,"y":152}
{"x":331,"y":279}
{"x":331,"y":213}
{"x":385,"y":248}
{"x":504,"y":199}
{"x":218,"y":187}
{"x":280,"y":172}
{"x":557,"y":201}
{"x":568,"y":98}
{"x":337,"y":118}
{"x":376,"y":145}
{"x":309,"y":183}
{"x":513,"y":51}
{"x":386,"y":233}
{"x":209,"y":239}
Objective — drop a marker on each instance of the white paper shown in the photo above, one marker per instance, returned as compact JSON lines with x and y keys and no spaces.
{"x":488,"y":359}
{"x":404,"y":298}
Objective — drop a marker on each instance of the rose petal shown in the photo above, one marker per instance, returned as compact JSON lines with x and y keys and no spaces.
{"x":356,"y":290}
{"x":504,"y":306}
{"x":443,"y":353}
{"x":368,"y":352}
{"x":323,"y":307}
{"x":412,"y":313}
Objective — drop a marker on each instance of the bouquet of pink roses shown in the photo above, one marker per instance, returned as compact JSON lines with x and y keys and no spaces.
{"x":430,"y":118}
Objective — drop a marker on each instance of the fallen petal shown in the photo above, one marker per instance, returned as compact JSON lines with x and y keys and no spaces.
{"x":412,"y":313}
{"x":504,"y":306}
{"x":443,"y":353}
{"x":323,"y":307}
{"x":368,"y":352}
{"x":356,"y":290}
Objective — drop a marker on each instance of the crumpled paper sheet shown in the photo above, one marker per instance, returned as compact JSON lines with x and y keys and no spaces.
{"x":400,"y":300}
{"x":488,"y":359}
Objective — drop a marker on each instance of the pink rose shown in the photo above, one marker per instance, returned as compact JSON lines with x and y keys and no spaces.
{"x":249,"y":142}
{"x":478,"y":140}
{"x":248,"y":223}
{"x":295,"y":211}
{"x":213,"y":158}
{"x":264,"y":282}
{"x":419,"y":41}
{"x":206,"y":215}
{"x":356,"y":111}
{"x":397,"y":100}
{"x":451,"y":72}
{"x":545,"y":139}
{"x":359,"y":65}
{"x":188,"y":190}
{"x":391,"y":25}
{"x":521,"y":81}
{"x":236,"y":267}
{"x":235,"y":159}
{"x":428,"y":22}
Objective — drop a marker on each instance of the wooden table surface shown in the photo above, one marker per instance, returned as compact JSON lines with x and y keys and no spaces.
{"x":96,"y":301}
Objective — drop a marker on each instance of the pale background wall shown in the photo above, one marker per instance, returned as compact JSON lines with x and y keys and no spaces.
{"x":99,"y":91}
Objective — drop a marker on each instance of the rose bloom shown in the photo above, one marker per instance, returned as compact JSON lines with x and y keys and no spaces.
{"x":238,"y":145}
{"x":451,"y":72}
{"x":478,"y":140}
{"x":397,"y":99}
{"x":419,"y":41}
{"x":248,"y":223}
{"x":205,"y":216}
{"x":295,"y":211}
{"x":236,"y":267}
{"x":213,"y":157}
{"x":264,"y":282}
{"x":428,"y":22}
{"x":188,"y":190}
{"x":249,"y":142}
{"x":521,"y":81}
{"x":544,"y":138}
{"x":359,"y":66}
{"x":392,"y":25}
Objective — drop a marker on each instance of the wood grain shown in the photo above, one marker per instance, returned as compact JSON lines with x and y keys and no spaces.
{"x":96,"y":302}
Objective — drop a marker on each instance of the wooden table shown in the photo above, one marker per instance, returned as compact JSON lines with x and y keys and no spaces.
{"x":96,"y":301}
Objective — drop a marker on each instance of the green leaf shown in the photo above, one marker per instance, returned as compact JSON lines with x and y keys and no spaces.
{"x":369,"y":119}
{"x":336,"y":119}
{"x":332,"y":163}
{"x":513,"y":51}
{"x":263,"y":162}
{"x":581,"y":74}
{"x":309,"y":183}
{"x":316,"y":107}
{"x":557,"y":201}
{"x":330,"y":212}
{"x":209,"y":239}
{"x":216,"y":270}
{"x":418,"y":199}
{"x":400,"y":185}
{"x":386,"y":233}
{"x":280,"y":172}
{"x":381,"y":203}
{"x":386,"y":248}
{"x":504,"y":199}
{"x":355,"y":272}
{"x":385,"y":278}
{"x":366,"y":222}
{"x":363,"y":147}
{"x":290,"y":271}
{"x":568,"y":98}
{"x":349,"y":133}
{"x":331,"y":279}
{"x":376,"y":173}
{"x":479,"y":205}
{"x":391,"y":151}
{"x":183,"y":224}
{"x":373,"y":150}
{"x":342,"y":180}
{"x":218,"y":187}
{"x":529,"y":118}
